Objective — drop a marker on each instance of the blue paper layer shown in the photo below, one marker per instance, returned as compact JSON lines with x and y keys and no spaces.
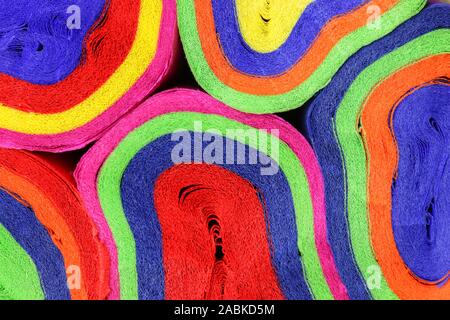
{"x":36,"y":43}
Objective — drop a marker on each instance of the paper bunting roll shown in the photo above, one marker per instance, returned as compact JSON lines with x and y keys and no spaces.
{"x":69,"y":70}
{"x":198,"y":201}
{"x":49,"y":245}
{"x":380,"y":132}
{"x":263,"y":56}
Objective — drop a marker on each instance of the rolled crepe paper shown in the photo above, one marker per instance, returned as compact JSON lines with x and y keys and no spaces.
{"x":429,"y":258}
{"x":272,"y":56}
{"x":216,"y":224}
{"x":382,"y":173}
{"x":62,"y":84}
{"x":49,"y":244}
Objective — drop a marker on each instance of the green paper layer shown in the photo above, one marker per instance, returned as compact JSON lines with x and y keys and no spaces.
{"x":19,"y":278}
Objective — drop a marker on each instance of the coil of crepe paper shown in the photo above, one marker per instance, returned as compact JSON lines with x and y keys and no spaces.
{"x":272,"y":56}
{"x":62,"y":84}
{"x":380,"y":132}
{"x":48,"y":243}
{"x":219,"y":228}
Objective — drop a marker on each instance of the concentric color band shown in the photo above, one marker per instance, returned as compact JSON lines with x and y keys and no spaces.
{"x":49,"y":240}
{"x":75,"y":111}
{"x":337,"y":40}
{"x":116,"y":201}
{"x":354,"y":153}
